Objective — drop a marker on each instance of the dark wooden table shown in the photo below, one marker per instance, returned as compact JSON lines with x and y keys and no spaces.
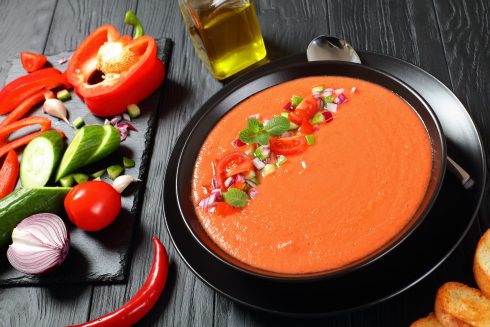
{"x":448,"y":38}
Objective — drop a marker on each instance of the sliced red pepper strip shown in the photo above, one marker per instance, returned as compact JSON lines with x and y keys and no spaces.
{"x":27,"y":79}
{"x":32,"y":61}
{"x":134,"y":80}
{"x":21,"y":141}
{"x":44,"y":122}
{"x":23,"y":108}
{"x":13,"y":99}
{"x":144,"y":299}
{"x":9,"y":174}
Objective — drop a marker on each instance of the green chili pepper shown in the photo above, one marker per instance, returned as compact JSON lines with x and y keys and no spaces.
{"x":132,"y":19}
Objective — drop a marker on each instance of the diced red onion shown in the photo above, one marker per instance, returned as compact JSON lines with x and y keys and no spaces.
{"x":339,"y":91}
{"x":256,"y":116}
{"x":266,"y":150}
{"x":107,"y":122}
{"x":229,"y":181}
{"x":328,"y":89}
{"x":129,"y":126}
{"x":327,"y":93}
{"x":126,"y":117}
{"x":342,"y":98}
{"x":214,"y":183}
{"x":353,"y":90}
{"x":237,"y":143}
{"x":328,"y":116}
{"x":316,"y":128}
{"x":267,"y":160}
{"x":252,"y":193}
{"x":123,"y":132}
{"x":249,"y":182}
{"x":40,"y":243}
{"x":286,"y":134}
{"x":116,"y":119}
{"x":62,"y":60}
{"x":331,"y":107}
{"x":239,"y":178}
{"x":319,"y":103}
{"x":208,"y":202}
{"x":288,"y":106}
{"x":336,"y":100}
{"x":217,"y":194}
{"x":258,"y":164}
{"x":316,"y":94}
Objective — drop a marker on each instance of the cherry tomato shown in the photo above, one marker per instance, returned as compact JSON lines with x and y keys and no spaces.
{"x":306,"y":128}
{"x":232,"y":163}
{"x":295,"y":119}
{"x":288,"y":145}
{"x":307,"y":108}
{"x":32,"y":61}
{"x":93,"y":205}
{"x":223,"y":208}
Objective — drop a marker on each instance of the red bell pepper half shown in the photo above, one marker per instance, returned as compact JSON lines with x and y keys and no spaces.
{"x":9,"y":174}
{"x":32,"y":61}
{"x":130,"y":67}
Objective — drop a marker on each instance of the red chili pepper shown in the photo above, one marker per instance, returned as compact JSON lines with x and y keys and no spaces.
{"x":144,"y":299}
{"x":9,"y":174}
{"x":129,"y":79}
{"x":16,"y":96}
{"x":32,"y":61}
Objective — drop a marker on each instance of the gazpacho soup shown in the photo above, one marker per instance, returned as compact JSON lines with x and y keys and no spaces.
{"x":312,"y":174}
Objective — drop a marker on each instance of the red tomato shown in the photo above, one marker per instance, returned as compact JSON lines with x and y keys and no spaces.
{"x":223,"y":208}
{"x":307,"y":108}
{"x":93,"y":205}
{"x":232,"y":163}
{"x":306,"y":128}
{"x":288,"y":145}
{"x":295,"y":119}
{"x":32,"y":61}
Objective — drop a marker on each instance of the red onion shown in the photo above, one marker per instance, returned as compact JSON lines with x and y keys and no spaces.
{"x":342,"y":98}
{"x":328,"y":116}
{"x":339,"y":91}
{"x":40,"y":243}
{"x":208,"y":202}
{"x":217,"y":194}
{"x":331,"y":107}
{"x":239,"y":178}
{"x":327,"y":93}
{"x":214,"y":183}
{"x":353,"y":90}
{"x":62,"y":60}
{"x":258,"y":164}
{"x":237,"y":143}
{"x":252,"y":193}
{"x":288,"y":106}
{"x":249,"y":182}
{"x":336,"y":100}
{"x":319,"y":102}
{"x":286,"y":134}
{"x":128,"y":126}
{"x":229,"y":181}
{"x":115,"y":120}
{"x":256,"y":116}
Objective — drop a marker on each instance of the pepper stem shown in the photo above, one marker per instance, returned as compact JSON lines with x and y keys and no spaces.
{"x":132,"y":19}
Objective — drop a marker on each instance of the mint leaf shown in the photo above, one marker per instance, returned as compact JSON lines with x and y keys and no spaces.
{"x":277,"y":125}
{"x":263,"y":138}
{"x":235,"y":197}
{"x":254,"y":125}
{"x":247,"y":136}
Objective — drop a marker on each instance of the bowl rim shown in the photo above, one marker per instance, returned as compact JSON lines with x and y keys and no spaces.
{"x":262,"y":72}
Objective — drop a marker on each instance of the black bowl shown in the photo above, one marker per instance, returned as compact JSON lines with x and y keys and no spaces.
{"x":242,"y":88}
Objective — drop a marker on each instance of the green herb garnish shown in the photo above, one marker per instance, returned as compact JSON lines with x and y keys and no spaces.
{"x":235,"y":197}
{"x":277,"y":125}
{"x":263,"y":138}
{"x":254,"y":125}
{"x":256,"y":132}
{"x":247,"y":136}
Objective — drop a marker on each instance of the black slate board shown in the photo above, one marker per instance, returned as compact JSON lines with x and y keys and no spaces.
{"x":101,"y":257}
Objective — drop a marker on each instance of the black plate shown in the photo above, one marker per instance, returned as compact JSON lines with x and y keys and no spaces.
{"x":401,"y":268}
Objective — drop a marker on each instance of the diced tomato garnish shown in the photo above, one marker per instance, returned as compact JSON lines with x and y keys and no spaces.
{"x":224,"y":209}
{"x":307,"y":108}
{"x":306,"y":128}
{"x":232,"y":163}
{"x":288,"y":145}
{"x":32,"y":61}
{"x":295,"y":119}
{"x":239,"y":185}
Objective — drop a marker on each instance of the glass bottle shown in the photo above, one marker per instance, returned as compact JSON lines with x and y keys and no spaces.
{"x":225,"y":33}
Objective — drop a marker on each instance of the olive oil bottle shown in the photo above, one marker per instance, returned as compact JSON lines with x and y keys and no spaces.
{"x":225,"y":33}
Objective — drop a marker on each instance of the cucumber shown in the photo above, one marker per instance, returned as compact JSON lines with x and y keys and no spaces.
{"x":80,"y":178}
{"x":40,"y":159}
{"x":67,"y":181}
{"x":25,"y":202}
{"x":114,"y":171}
{"x":90,"y":144}
{"x":109,"y":143}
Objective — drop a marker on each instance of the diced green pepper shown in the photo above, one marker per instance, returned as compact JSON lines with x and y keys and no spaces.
{"x":133,"y":111}
{"x":268,"y":169}
{"x":67,"y":181}
{"x":63,"y":95}
{"x":114,"y":171}
{"x":128,"y":162}
{"x":78,"y":122}
{"x":310,"y":139}
{"x":295,"y":100}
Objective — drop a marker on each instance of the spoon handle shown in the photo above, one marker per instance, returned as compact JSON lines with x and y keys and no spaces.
{"x":460,"y":173}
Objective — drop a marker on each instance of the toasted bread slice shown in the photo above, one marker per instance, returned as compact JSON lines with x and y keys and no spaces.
{"x":429,"y":321}
{"x":481,"y":264}
{"x":461,"y":305}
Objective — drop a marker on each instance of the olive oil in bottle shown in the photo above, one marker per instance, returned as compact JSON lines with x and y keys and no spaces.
{"x":225,"y":33}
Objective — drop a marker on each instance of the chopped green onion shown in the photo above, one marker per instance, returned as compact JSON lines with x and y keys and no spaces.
{"x":328,"y":99}
{"x":67,"y":181}
{"x":99,"y":173}
{"x":318,"y":89}
{"x":280,"y":160}
{"x":63,"y":95}
{"x":262,"y":152}
{"x":128,"y":162}
{"x":80,"y":178}
{"x":318,"y":118}
{"x":293,"y":126}
{"x":310,"y":139}
{"x":295,"y":100}
{"x":255,"y":180}
{"x":78,"y":122}
{"x":114,"y":171}
{"x":285,"y":114}
{"x":133,"y":111}
{"x":132,"y":19}
{"x":268,"y":169}
{"x":250,"y":175}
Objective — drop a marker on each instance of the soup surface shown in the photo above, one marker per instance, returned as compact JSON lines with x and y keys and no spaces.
{"x":338,"y":201}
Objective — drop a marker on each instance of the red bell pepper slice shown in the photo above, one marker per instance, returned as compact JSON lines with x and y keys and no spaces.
{"x":23,"y":108}
{"x":136,"y":80}
{"x":14,"y":98}
{"x":9,"y":173}
{"x":32,"y":61}
{"x":21,"y":141}
{"x":44,"y":122}
{"x":27,"y":79}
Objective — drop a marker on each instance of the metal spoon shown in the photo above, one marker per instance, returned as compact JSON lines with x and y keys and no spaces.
{"x":332,"y":48}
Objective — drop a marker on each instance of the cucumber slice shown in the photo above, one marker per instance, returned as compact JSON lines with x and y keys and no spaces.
{"x":114,"y":171}
{"x":109,"y":143}
{"x":67,"y":181}
{"x":25,"y":202}
{"x":99,"y":173}
{"x":128,"y":162}
{"x":40,"y":159}
{"x":80,"y":178}
{"x":86,"y":141}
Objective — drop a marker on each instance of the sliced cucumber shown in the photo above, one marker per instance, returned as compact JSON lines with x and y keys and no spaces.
{"x":67,"y":181}
{"x":114,"y":171}
{"x":128,"y":162}
{"x":99,"y":173}
{"x":80,"y":178}
{"x":40,"y":159}
{"x":109,"y":143}
{"x":25,"y":202}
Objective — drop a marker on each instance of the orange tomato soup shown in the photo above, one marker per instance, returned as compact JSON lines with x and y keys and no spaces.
{"x":340,"y":200}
